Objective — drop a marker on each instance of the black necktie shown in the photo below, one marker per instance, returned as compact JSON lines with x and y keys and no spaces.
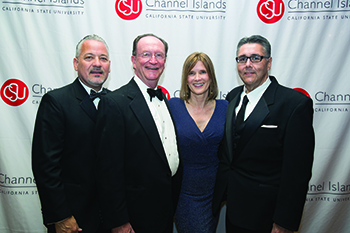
{"x":240,"y":115}
{"x":152,"y":93}
{"x":94,"y":94}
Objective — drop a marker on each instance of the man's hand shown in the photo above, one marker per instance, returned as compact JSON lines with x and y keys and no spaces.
{"x":68,"y":225}
{"x":126,"y":228}
{"x":278,"y":229}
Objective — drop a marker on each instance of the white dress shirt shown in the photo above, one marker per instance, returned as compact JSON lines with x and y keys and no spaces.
{"x":88,"y":90}
{"x":164,"y":125}
{"x":253,"y":97}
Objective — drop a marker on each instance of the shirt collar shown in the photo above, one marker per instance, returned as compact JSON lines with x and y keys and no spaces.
{"x":88,"y":89}
{"x":143,"y":87}
{"x":255,"y":95}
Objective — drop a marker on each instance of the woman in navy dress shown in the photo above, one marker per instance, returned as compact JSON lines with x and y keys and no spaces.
{"x":200,"y":120}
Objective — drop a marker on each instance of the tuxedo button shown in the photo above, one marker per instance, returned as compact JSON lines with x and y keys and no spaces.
{"x":234,"y":145}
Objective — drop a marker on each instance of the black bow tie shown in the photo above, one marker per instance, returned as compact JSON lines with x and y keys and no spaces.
{"x":152,"y":93}
{"x":94,"y":94}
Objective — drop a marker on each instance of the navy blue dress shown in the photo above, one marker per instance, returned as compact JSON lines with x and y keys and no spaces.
{"x":199,"y":154}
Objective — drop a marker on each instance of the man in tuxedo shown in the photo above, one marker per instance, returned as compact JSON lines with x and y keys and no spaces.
{"x":63,"y":159}
{"x":267,"y":151}
{"x":139,"y":167}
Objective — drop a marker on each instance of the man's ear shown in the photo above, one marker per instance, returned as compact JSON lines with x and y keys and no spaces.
{"x":269,"y":63}
{"x":75,"y":63}
{"x":133,"y":60}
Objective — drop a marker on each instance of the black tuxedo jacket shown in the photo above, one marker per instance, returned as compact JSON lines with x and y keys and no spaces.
{"x":266,"y":173}
{"x":135,"y":182}
{"x":63,"y":159}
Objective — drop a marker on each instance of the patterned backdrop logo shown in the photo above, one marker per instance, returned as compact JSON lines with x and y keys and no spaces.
{"x":302,"y":91}
{"x":270,"y":11}
{"x":128,"y":9}
{"x":165,"y":92}
{"x":14,"y":92}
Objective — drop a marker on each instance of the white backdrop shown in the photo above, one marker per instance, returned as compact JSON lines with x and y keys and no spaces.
{"x":310,"y":41}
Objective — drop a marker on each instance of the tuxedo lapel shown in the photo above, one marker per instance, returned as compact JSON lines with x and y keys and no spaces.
{"x":252,"y":123}
{"x":255,"y":119}
{"x":230,"y":125}
{"x":140,"y":108}
{"x":86,"y":104}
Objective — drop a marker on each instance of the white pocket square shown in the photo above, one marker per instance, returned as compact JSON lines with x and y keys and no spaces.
{"x":269,"y":126}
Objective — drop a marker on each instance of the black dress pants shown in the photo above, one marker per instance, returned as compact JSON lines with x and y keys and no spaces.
{"x":230,"y":228}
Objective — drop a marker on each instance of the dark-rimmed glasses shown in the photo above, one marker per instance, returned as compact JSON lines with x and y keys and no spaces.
{"x":253,"y":58}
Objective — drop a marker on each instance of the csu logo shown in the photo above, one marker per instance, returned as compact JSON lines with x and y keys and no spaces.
{"x":128,"y":9}
{"x":165,"y":92}
{"x":270,"y":11}
{"x":302,"y":91}
{"x":14,"y":92}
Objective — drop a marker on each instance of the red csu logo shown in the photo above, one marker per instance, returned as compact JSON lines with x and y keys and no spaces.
{"x":302,"y":91}
{"x":14,"y":92}
{"x":128,"y":9}
{"x":270,"y":11}
{"x":165,"y":92}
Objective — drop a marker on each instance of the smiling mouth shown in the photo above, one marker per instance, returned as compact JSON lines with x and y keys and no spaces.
{"x":249,"y":73}
{"x":198,"y":84}
{"x":152,"y":68}
{"x":96,"y":72}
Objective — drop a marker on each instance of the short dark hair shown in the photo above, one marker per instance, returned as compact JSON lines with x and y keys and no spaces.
{"x":256,"y":39}
{"x":136,"y":40}
{"x":188,"y":65}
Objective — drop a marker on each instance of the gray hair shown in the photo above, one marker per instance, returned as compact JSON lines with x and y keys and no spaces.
{"x":136,"y":40}
{"x":256,"y":39}
{"x":89,"y":37}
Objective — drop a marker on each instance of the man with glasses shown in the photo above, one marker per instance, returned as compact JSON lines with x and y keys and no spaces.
{"x":267,"y":151}
{"x":139,"y":167}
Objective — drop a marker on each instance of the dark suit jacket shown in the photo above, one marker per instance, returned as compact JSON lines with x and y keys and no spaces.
{"x":63,"y":159}
{"x":266,"y":173}
{"x":135,"y":182}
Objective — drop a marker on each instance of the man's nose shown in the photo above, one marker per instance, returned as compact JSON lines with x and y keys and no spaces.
{"x":248,"y":62}
{"x":153,"y":59}
{"x":97,"y":62}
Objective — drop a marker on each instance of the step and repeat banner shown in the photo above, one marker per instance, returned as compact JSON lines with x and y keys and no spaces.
{"x":310,"y":50}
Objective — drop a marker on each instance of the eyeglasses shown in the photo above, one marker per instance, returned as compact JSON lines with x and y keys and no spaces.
{"x":253,"y":58}
{"x":148,"y":56}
